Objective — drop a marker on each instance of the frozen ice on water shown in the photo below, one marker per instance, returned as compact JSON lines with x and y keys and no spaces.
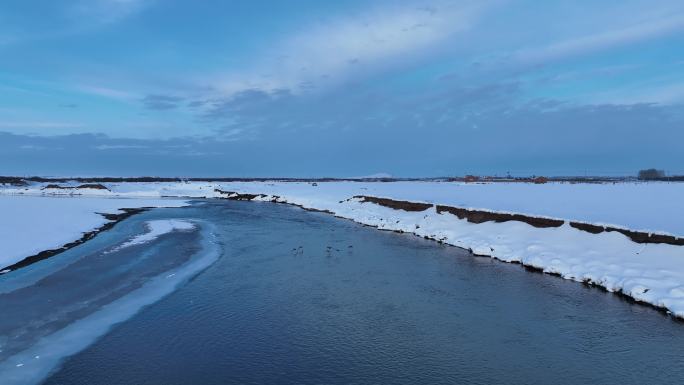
{"x":157,"y":228}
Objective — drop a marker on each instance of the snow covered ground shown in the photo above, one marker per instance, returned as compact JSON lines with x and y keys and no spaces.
{"x":657,"y":207}
{"x":652,"y":273}
{"x":654,"y":206}
{"x":31,"y":224}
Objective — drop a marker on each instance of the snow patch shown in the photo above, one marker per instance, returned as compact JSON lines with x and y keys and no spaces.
{"x":157,"y":228}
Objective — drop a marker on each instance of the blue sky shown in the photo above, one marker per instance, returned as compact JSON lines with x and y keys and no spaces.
{"x":340,"y":88}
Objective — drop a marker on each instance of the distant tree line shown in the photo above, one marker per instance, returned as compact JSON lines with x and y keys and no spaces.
{"x":655,"y":174}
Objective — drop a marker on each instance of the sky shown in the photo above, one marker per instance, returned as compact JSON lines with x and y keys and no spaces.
{"x":345,"y":88}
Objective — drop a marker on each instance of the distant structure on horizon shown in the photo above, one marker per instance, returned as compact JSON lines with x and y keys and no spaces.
{"x":651,"y":174}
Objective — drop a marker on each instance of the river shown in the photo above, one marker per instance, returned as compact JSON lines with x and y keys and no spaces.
{"x":263,"y":293}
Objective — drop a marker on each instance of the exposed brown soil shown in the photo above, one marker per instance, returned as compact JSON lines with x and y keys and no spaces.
{"x":55,"y":187}
{"x":635,"y":236}
{"x":588,"y":227}
{"x":478,"y":216}
{"x":394,"y":204}
{"x":113,"y":218}
{"x":234,"y":196}
{"x":95,"y":186}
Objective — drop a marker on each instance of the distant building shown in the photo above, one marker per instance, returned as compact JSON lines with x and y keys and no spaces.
{"x":471,"y":178}
{"x":540,"y":180}
{"x":651,"y":174}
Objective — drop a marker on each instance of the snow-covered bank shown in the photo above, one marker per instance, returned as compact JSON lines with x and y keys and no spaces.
{"x":649,"y":272}
{"x":32,"y":224}
{"x":656,"y":206}
{"x":652,"y":273}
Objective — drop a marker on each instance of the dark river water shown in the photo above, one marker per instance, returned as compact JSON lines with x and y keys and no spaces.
{"x":261,"y":293}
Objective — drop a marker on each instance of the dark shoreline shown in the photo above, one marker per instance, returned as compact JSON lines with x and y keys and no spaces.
{"x":45,"y":254}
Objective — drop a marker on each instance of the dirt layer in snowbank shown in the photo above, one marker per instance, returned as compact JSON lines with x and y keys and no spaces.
{"x":482,"y":216}
{"x":479,"y":216}
{"x":395,"y":204}
{"x":635,"y":236}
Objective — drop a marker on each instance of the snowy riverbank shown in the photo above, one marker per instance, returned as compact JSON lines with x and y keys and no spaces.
{"x":32,"y":224}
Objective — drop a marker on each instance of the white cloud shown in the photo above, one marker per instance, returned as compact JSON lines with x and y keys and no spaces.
{"x":603,"y":40}
{"x":119,"y":146}
{"x":32,"y":147}
{"x":328,"y":52}
{"x":106,"y":92}
{"x":665,"y":94}
{"x":106,"y":11}
{"x":13,"y":125}
{"x":67,"y":18}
